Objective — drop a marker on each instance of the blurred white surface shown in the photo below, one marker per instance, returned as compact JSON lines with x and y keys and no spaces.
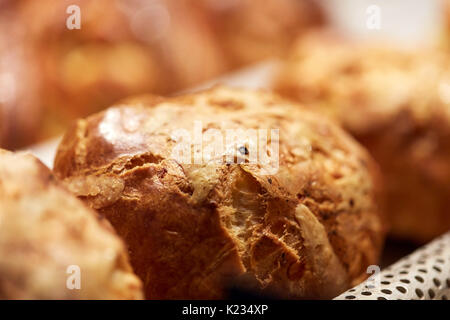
{"x":405,"y":22}
{"x":45,"y":151}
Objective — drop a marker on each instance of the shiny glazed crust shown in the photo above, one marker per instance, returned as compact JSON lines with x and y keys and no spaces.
{"x":397,"y":104}
{"x":310,"y":229}
{"x":44,"y":230}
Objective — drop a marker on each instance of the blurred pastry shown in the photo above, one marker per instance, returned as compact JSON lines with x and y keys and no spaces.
{"x":297,"y":218}
{"x":122,"y":48}
{"x":397,"y":104}
{"x":47,"y":236}
{"x":252,"y":30}
{"x":20,"y":101}
{"x":444,"y":39}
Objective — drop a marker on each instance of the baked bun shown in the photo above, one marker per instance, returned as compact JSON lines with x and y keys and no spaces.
{"x":301,"y":222}
{"x":46,"y":234}
{"x":396,"y":103}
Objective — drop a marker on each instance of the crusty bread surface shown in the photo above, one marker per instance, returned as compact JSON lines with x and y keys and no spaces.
{"x":303,"y":225}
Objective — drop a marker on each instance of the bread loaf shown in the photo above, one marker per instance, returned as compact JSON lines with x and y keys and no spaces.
{"x":396,"y":103}
{"x":303,"y":224}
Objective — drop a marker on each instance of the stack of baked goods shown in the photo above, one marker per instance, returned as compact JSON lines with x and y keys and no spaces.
{"x":297,"y":219}
{"x":396,"y":102}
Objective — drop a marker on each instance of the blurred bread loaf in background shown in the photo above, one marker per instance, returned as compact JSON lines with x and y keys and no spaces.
{"x":396,"y":102}
{"x":20,"y":105}
{"x":250,"y":31}
{"x":122,"y":48}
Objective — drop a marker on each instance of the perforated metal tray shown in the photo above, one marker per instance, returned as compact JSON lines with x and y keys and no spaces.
{"x":422,"y":275}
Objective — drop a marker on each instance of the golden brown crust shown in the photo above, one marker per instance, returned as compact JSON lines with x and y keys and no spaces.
{"x":397,"y":104}
{"x":44,"y":230}
{"x":309,"y":229}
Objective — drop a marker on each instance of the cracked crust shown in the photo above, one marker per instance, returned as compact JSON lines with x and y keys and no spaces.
{"x":44,"y":230}
{"x":306,"y":230}
{"x":396,"y":103}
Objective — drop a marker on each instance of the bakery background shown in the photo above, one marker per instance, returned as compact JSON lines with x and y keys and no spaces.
{"x":123,"y":48}
{"x":50,"y":75}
